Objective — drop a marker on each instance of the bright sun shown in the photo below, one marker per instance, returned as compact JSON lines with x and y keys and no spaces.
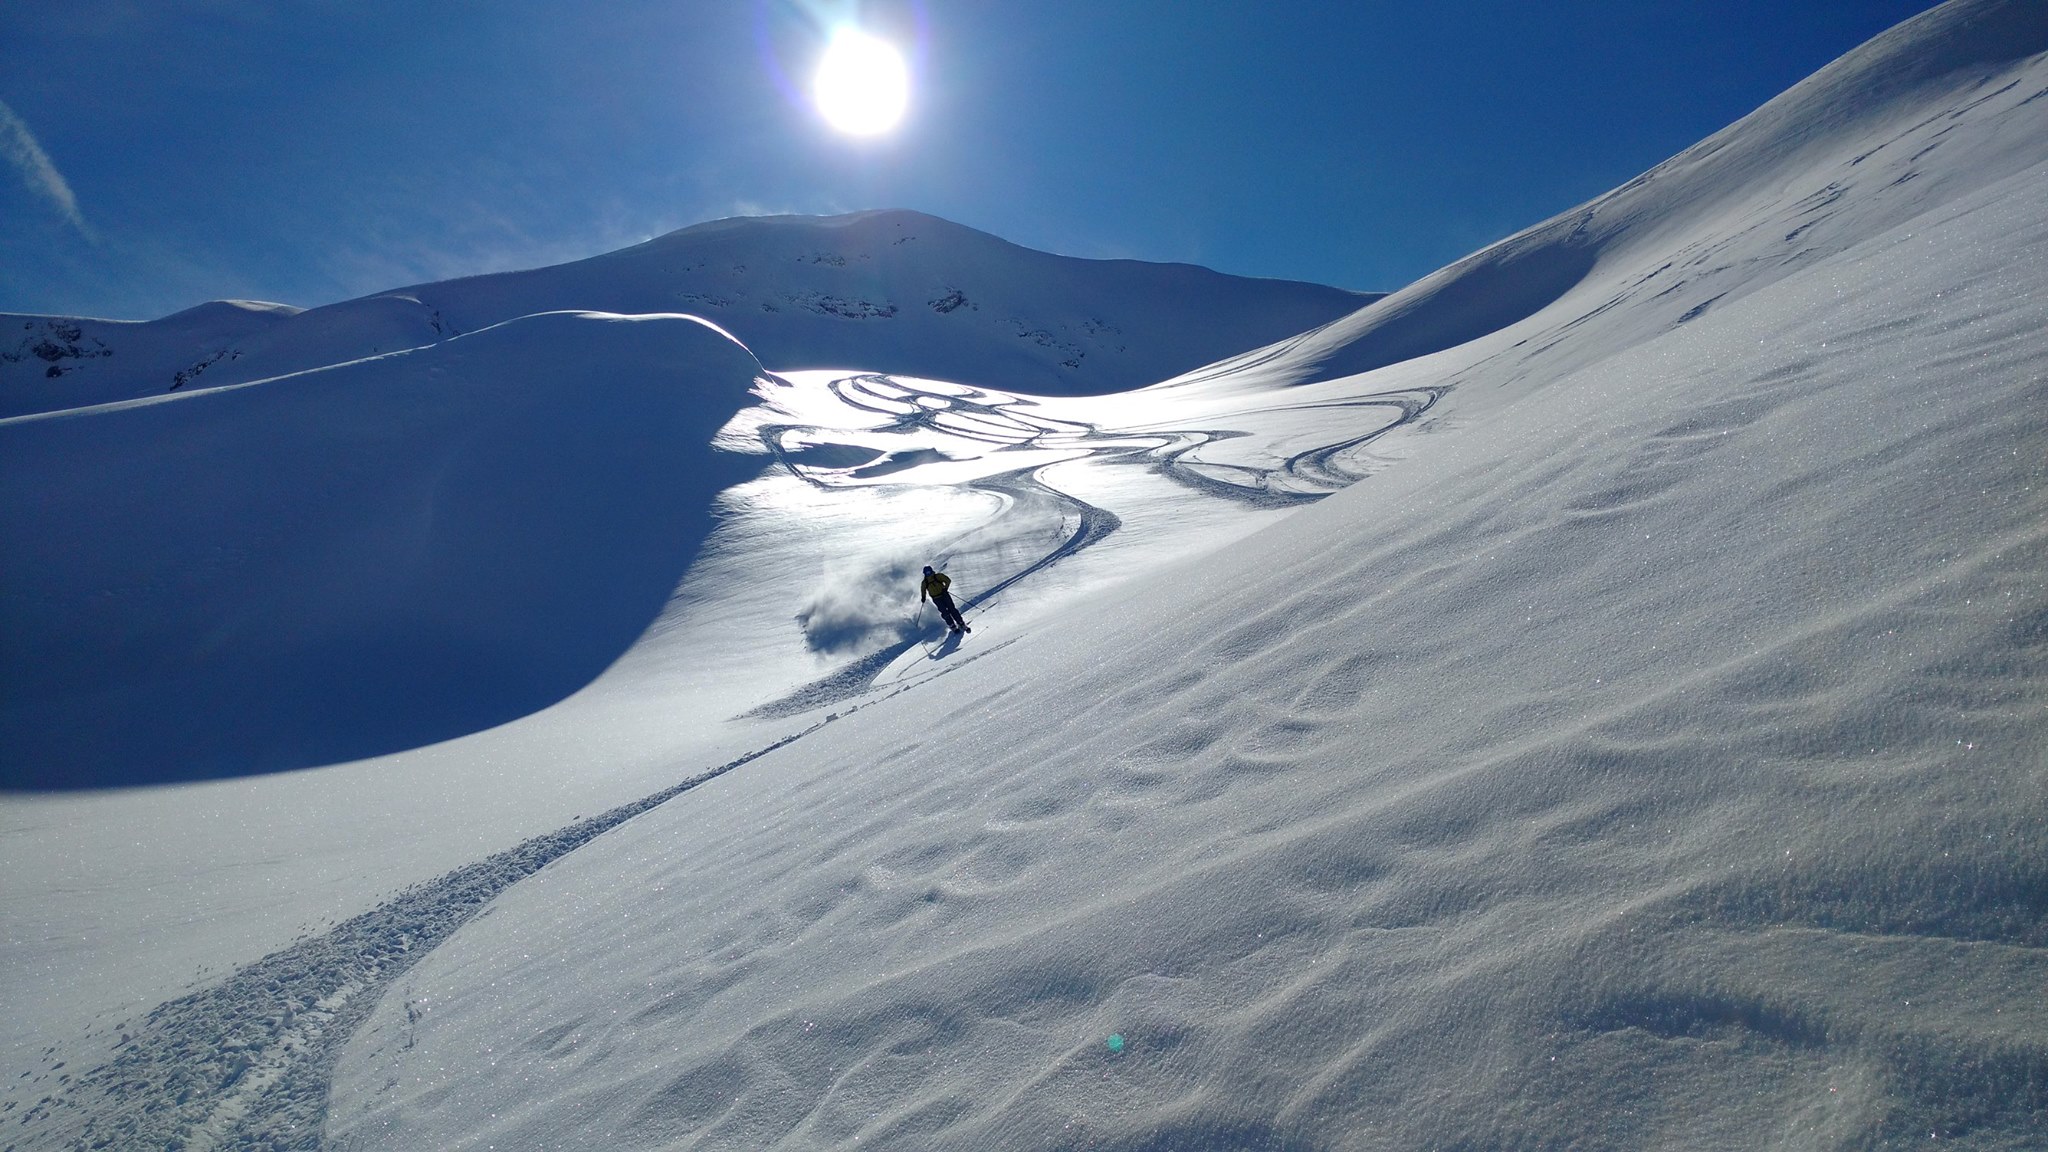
{"x":862,"y":86}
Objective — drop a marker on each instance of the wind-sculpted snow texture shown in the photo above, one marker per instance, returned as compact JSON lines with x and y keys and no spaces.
{"x":1649,"y":757}
{"x":898,"y":291}
{"x":1594,"y":698}
{"x":437,"y":547}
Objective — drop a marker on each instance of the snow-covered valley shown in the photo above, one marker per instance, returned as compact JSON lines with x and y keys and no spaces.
{"x":1594,"y":697}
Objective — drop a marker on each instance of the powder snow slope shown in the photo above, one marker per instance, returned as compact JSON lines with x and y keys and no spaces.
{"x":1730,"y":215}
{"x":380,"y":550}
{"x":1646,"y":755}
{"x":891,"y":290}
{"x":1651,"y":759}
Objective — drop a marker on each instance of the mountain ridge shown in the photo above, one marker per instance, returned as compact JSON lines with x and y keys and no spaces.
{"x":1860,"y":120}
{"x":887,"y":289}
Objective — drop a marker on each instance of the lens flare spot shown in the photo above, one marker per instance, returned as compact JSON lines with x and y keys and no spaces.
{"x":862,"y":86}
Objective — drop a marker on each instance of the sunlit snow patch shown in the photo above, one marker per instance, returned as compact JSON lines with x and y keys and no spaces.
{"x":1027,"y":501}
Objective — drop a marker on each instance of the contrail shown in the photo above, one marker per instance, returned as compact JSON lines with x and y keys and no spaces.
{"x":18,"y":145}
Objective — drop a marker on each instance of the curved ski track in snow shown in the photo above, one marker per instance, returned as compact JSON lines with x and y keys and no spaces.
{"x":921,"y":412}
{"x":247,"y":1060}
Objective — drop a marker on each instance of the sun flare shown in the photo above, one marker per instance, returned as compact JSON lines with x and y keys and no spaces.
{"x":862,"y":86}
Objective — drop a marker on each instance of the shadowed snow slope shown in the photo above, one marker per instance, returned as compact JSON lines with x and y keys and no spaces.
{"x":1652,"y":759}
{"x":355,"y":560}
{"x":52,"y":362}
{"x":890,"y":291}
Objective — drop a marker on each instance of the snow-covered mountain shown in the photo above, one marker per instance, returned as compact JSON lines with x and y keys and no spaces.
{"x":1595,"y":697}
{"x":53,"y":362}
{"x":889,"y":291}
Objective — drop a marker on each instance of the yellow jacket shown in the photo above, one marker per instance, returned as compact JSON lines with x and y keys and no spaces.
{"x":933,"y":584}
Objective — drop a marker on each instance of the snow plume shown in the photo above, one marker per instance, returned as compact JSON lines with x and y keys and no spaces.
{"x":863,"y":606}
{"x":18,"y":145}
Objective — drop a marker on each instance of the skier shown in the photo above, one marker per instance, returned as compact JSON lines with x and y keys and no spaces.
{"x":934,"y":587}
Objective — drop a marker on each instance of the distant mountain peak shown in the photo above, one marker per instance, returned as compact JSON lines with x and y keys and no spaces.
{"x":890,"y":290}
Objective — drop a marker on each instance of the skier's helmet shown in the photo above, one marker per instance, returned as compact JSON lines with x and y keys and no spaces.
{"x":927,"y":569}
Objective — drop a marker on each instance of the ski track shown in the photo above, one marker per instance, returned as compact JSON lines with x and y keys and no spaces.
{"x":1006,"y":423}
{"x":245,"y":1063}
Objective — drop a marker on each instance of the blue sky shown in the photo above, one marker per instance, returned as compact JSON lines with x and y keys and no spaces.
{"x":161,"y":154}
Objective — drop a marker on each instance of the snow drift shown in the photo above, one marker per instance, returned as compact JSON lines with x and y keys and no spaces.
{"x":354,"y":560}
